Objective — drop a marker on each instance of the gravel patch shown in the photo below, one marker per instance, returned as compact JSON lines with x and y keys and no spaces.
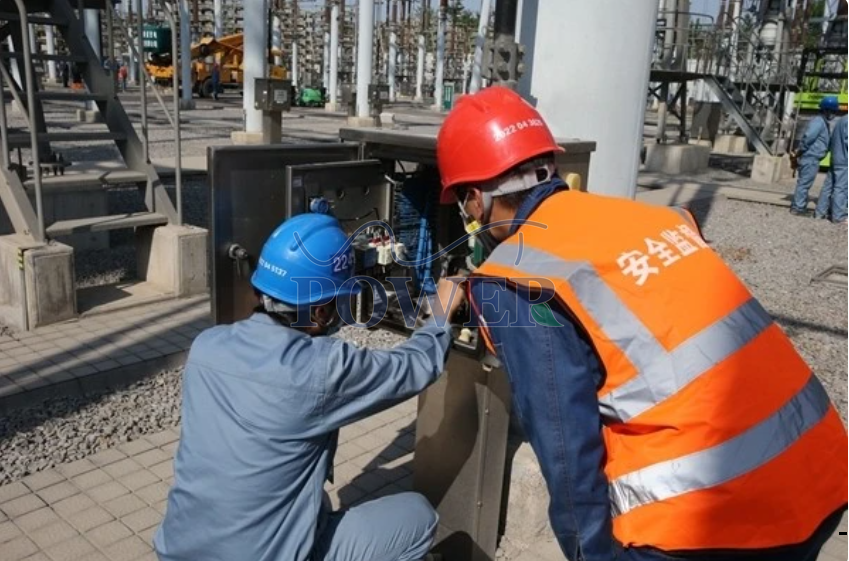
{"x":64,"y":429}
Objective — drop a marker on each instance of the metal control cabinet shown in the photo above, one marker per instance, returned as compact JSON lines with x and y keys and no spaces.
{"x":463,"y":419}
{"x":272,"y":95}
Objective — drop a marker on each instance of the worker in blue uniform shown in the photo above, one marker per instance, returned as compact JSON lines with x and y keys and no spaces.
{"x":811,"y":150}
{"x":833,"y":197}
{"x":263,"y":401}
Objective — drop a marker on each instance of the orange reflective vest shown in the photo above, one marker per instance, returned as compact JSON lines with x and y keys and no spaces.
{"x":718,"y":435}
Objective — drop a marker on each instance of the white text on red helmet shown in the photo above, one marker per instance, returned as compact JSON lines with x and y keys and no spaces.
{"x":503,"y":133}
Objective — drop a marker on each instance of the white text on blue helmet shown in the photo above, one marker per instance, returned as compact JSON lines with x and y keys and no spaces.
{"x":279,"y":271}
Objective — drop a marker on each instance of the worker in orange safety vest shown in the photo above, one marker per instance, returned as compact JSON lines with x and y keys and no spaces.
{"x":672,"y":417}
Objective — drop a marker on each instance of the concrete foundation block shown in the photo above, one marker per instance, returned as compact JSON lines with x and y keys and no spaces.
{"x":731,"y":144}
{"x":37,"y":286}
{"x":363,"y":122}
{"x":527,"y":501}
{"x":331,"y":106}
{"x":771,"y":169}
{"x":674,"y":159}
{"x":187,"y":104}
{"x":173,"y":258}
{"x":87,"y":116}
{"x":246,"y":138}
{"x":387,"y":120}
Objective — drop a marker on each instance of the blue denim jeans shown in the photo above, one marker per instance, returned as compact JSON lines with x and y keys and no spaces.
{"x":807,"y":173}
{"x":805,"y":551}
{"x":833,"y":197}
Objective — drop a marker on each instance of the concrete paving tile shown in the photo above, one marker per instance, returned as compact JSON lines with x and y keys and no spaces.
{"x":94,"y":556}
{"x":37,"y":557}
{"x":70,"y":550}
{"x":153,"y":494}
{"x":28,"y":380}
{"x":71,"y":506}
{"x":122,"y":467}
{"x":82,"y":370}
{"x":127,"y":549}
{"x":57,"y":492}
{"x":170,"y":449}
{"x":106,"y":365}
{"x":836,"y":548}
{"x":109,"y":533}
{"x":148,"y":534}
{"x":54,"y":533}
{"x":406,"y":482}
{"x":6,"y":362}
{"x":348,"y":451}
{"x":21,"y":505}
{"x":107,"y":457}
{"x":36,"y":519}
{"x":161,"y":507}
{"x":91,"y":479}
{"x":393,"y":452}
{"x":151,"y":457}
{"x":90,"y":518}
{"x":12,"y":491}
{"x":142,"y":519}
{"x":106,"y":492}
{"x":139,"y":479}
{"x":7,"y":388}
{"x":128,"y":359}
{"x":9,"y":531}
{"x":370,"y":481}
{"x":150,"y":354}
{"x":163,"y":470}
{"x":18,"y":548}
{"x":74,"y":468}
{"x":163,"y":438}
{"x":124,"y":505}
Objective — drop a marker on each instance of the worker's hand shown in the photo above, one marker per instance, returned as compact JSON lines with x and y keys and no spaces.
{"x":452,"y":295}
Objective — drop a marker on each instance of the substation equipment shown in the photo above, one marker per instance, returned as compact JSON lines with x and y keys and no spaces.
{"x":391,"y":176}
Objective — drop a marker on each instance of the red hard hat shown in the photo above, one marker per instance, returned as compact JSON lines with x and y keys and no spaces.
{"x":485,"y":135}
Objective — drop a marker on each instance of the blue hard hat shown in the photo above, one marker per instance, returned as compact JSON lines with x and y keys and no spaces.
{"x":322,"y":268}
{"x":829,"y":103}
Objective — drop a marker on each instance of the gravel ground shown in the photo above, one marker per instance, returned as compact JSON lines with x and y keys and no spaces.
{"x":69,"y":428}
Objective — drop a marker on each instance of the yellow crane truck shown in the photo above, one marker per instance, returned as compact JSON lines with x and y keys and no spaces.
{"x":227,"y":52}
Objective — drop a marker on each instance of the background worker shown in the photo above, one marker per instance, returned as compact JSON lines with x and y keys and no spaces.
{"x":263,"y":401}
{"x":832,"y":202}
{"x":812,"y":149}
{"x":672,"y":418}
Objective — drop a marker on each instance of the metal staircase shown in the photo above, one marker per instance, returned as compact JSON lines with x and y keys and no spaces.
{"x":17,"y":192}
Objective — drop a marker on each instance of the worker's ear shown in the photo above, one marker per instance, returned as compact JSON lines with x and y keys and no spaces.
{"x":474,"y":203}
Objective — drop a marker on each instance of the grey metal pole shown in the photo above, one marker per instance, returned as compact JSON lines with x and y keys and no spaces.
{"x":390,"y":65}
{"x":110,"y":37}
{"x":4,"y":130}
{"x":218,"y":15}
{"x":439,"y":77}
{"x":143,"y":88}
{"x":256,"y":43}
{"x":178,"y":148}
{"x":29,"y":76}
{"x":365,"y":52}
{"x":333,"y":81}
{"x":92,"y":33}
{"x":420,"y":56}
{"x":480,"y":39}
{"x":51,"y":50}
{"x":185,"y":54}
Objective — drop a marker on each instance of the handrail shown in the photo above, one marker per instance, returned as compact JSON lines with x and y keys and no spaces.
{"x":30,"y":81}
{"x":8,"y":79}
{"x":175,"y":87}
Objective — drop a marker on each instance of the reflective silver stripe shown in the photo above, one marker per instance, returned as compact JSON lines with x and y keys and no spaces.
{"x":663,"y":375}
{"x":660,"y":374}
{"x":724,"y":462}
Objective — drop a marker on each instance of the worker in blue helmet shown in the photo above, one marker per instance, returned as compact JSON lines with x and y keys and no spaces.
{"x":832,"y":203}
{"x":263,"y":402}
{"x":811,"y":150}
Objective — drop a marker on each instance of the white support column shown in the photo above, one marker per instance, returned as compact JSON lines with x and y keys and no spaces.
{"x":256,"y":40}
{"x":186,"y":85}
{"x":480,"y":39}
{"x":218,"y":17}
{"x":277,"y":39}
{"x":603,"y":97}
{"x":325,"y":62}
{"x":365,"y":51}
{"x":295,"y":62}
{"x":390,"y":64}
{"x":420,"y":60}
{"x":92,"y":33}
{"x":334,"y":56}
{"x":51,"y":50}
{"x":131,"y":60}
{"x":439,"y":78}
